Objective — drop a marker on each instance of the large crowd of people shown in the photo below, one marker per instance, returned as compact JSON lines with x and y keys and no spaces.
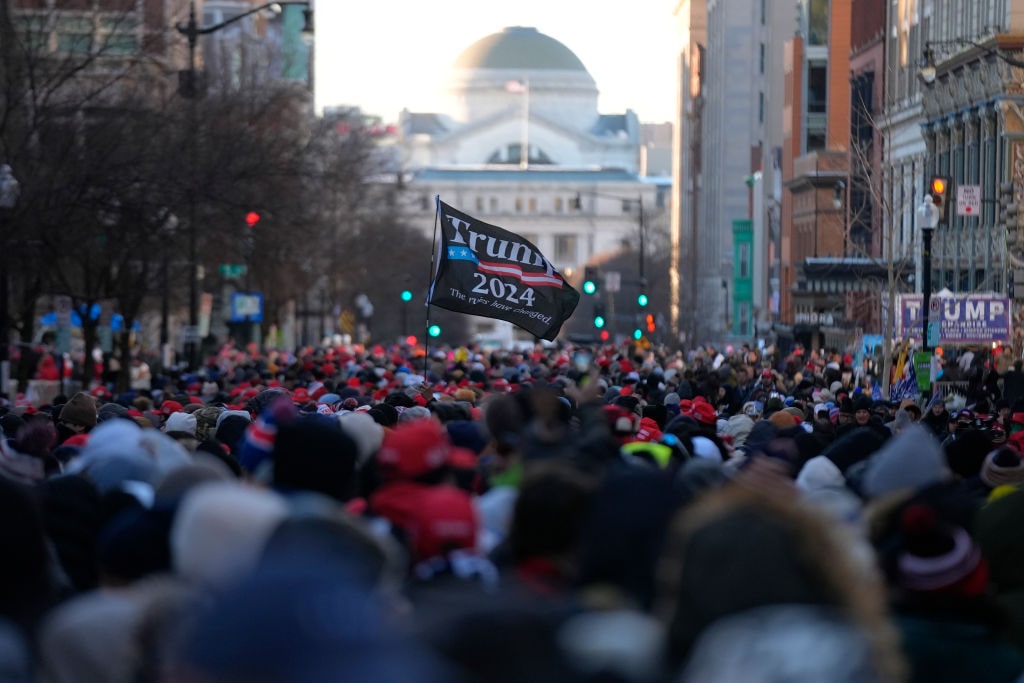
{"x":602,"y":514}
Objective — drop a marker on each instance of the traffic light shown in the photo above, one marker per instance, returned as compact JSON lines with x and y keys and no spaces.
{"x":406,"y":295}
{"x":252,"y":218}
{"x":651,"y":326}
{"x":434,"y":330}
{"x":641,"y":299}
{"x":939,"y":188}
{"x":589,"y":280}
{"x":638,"y":334}
{"x":599,"y":316}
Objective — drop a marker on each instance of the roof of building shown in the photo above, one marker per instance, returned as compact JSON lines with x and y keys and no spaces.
{"x":611,"y":124}
{"x":423,"y":123}
{"x":544,"y":174}
{"x":518,"y":47}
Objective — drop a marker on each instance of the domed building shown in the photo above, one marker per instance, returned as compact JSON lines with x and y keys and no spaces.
{"x":577,"y":194}
{"x":520,"y":87}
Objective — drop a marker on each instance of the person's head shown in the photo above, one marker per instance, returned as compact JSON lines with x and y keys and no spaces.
{"x":79,"y":413}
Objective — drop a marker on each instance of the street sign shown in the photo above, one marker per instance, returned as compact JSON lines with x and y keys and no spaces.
{"x":613,"y":281}
{"x":968,"y":200}
{"x":347,"y":321}
{"x":232,"y":270}
{"x":62,"y":304}
{"x":189,"y":334}
{"x":246,"y":307}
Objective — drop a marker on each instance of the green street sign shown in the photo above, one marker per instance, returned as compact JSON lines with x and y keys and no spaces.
{"x":232,"y":270}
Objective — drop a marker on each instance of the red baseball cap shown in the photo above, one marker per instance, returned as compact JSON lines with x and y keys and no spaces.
{"x":170,"y":407}
{"x":413,"y":449}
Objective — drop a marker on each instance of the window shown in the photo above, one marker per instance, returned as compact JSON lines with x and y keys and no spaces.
{"x":532,"y":203}
{"x":565,"y":248}
{"x":494,"y":204}
{"x":424,"y":202}
{"x":74,"y":35}
{"x":817,"y":87}
{"x":744,"y":261}
{"x":762,"y":58}
{"x":479,"y":203}
{"x":627,"y":206}
{"x":763,"y":12}
{"x":817,"y":22}
{"x":519,"y":204}
{"x":559,"y":205}
{"x":760,"y":107}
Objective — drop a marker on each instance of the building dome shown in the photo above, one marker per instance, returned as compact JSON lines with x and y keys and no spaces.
{"x":519,"y":47}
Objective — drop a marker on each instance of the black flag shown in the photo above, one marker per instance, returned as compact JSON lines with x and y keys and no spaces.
{"x":488,"y":271}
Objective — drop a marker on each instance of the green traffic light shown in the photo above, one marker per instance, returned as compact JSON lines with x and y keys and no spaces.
{"x":589,"y":287}
{"x":642,"y":299}
{"x":598,"y":321}
{"x":637,"y":334}
{"x":406,"y":295}
{"x":434,"y":331}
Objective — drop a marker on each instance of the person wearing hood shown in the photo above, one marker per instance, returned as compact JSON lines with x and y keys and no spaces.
{"x":936,"y":417}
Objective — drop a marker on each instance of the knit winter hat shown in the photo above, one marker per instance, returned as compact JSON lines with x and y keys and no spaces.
{"x":206,"y":420}
{"x":1002,"y":466}
{"x":364,"y":430}
{"x":782,"y":419}
{"x":314,"y":453}
{"x":219,"y":531}
{"x":80,"y":410}
{"x":938,"y":558}
{"x":109,"y":411}
{"x":181,"y":423}
{"x":912,"y":459}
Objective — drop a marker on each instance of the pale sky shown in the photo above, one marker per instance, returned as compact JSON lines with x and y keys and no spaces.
{"x":388,"y":55}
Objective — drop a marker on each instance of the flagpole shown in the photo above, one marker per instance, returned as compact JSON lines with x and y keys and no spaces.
{"x":524,"y":152}
{"x":430,"y":283}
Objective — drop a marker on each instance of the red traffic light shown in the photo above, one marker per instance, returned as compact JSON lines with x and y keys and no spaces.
{"x":411,"y":340}
{"x":252,"y":218}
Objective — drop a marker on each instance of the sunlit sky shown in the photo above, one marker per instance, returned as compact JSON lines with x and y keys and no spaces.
{"x":386,"y":56}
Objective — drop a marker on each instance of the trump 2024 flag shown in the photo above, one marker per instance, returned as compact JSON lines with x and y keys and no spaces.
{"x":488,"y":271}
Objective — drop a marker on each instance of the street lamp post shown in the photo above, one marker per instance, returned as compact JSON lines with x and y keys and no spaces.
{"x":190,"y":90}
{"x":927,"y":218}
{"x":9,"y":191}
{"x":839,"y":203}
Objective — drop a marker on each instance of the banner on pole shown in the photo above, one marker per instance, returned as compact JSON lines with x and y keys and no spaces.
{"x":963,"y":319}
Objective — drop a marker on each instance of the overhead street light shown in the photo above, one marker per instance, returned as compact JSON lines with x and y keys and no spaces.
{"x":188,"y":88}
{"x":927,"y":220}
